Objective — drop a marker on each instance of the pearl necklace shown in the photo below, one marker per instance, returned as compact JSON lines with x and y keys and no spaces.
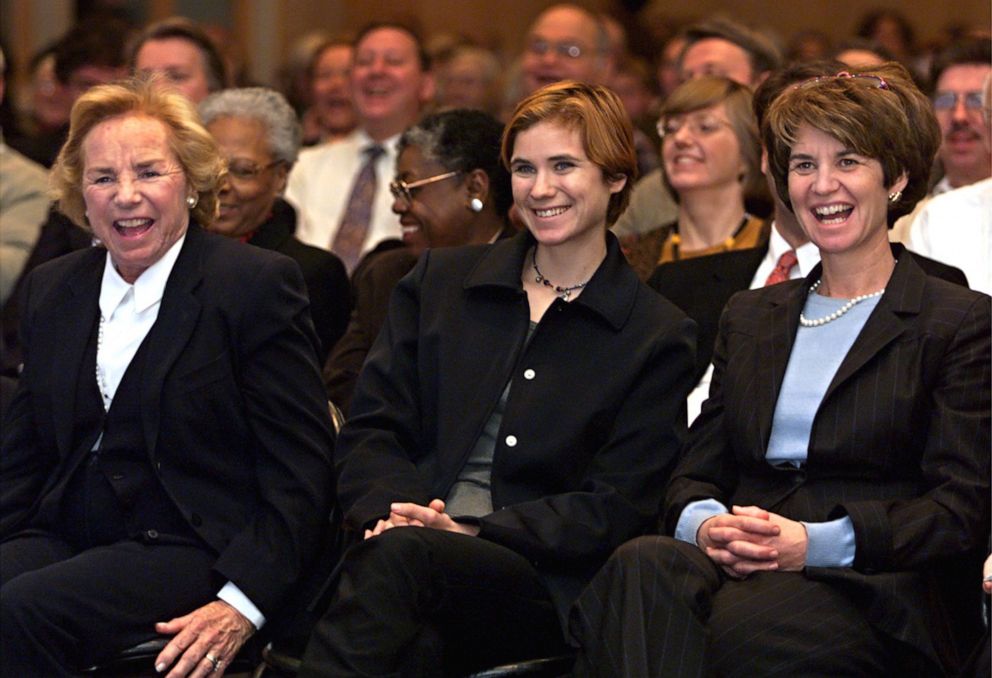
{"x":564,"y":293}
{"x":851,"y":303}
{"x":101,"y":381}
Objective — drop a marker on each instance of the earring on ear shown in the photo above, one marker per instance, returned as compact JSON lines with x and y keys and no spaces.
{"x":475,"y":205}
{"x":191,"y":201}
{"x":894,"y":196}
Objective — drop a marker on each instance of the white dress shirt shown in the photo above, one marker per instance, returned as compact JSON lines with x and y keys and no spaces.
{"x":320,"y":185}
{"x":127,"y":313}
{"x":956,"y":228}
{"x":807,"y":256}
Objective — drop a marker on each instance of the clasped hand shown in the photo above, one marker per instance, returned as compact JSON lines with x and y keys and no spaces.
{"x":408,"y":514}
{"x":751,"y":539}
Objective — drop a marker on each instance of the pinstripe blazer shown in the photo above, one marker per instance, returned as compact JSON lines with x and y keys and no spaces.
{"x":900,"y":443}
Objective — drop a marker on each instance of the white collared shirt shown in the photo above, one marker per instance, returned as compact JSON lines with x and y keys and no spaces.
{"x":127,"y":313}
{"x":320,"y":184}
{"x":807,"y":257}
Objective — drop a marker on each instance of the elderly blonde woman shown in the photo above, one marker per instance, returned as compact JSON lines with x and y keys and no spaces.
{"x":149,"y":481}
{"x":258,"y":135}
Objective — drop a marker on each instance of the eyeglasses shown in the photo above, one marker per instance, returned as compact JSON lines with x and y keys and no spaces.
{"x":567,"y":50}
{"x":242,"y":170}
{"x":945,"y":101}
{"x":402,"y":190}
{"x":698,"y":126}
{"x":875,"y":81}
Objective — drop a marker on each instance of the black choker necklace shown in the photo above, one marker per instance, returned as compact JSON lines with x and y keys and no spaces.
{"x":563,"y":292}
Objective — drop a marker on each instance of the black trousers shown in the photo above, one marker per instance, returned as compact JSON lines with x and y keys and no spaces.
{"x":661,"y":607}
{"x":421,"y":602}
{"x":63,"y":609}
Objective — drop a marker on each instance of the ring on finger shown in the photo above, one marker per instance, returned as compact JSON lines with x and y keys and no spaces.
{"x":213,"y":660}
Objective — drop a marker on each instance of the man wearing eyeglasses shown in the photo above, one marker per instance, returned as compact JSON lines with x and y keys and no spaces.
{"x":958,"y":74}
{"x":565,"y":42}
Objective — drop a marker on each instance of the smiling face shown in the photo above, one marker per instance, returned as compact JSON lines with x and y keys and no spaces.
{"x":253,"y":181}
{"x":839,"y":196}
{"x":701,"y":151}
{"x":331,"y":92}
{"x":179,"y":62}
{"x":560,"y":194}
{"x":438,"y":215}
{"x":562,"y":45}
{"x":965,"y":150}
{"x":387,"y":82}
{"x":135,"y":191}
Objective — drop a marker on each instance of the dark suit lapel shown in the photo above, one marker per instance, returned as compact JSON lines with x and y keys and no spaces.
{"x":775,"y":336}
{"x":80,"y":309}
{"x":177,"y":317}
{"x":888,"y":321}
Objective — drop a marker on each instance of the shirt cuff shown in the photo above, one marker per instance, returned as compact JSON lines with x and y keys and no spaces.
{"x":236,"y":598}
{"x":694,"y":515}
{"x":830,"y":544}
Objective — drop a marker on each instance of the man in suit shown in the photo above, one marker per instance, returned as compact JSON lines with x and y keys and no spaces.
{"x":339,"y":189}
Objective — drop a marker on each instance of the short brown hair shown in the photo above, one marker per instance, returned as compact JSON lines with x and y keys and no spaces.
{"x":894,"y":125}
{"x":603,"y":124}
{"x":710,"y":90}
{"x":192,"y":144}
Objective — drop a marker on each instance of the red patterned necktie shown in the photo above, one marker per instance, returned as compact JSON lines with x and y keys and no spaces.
{"x":781,"y":271}
{"x":354,"y":226}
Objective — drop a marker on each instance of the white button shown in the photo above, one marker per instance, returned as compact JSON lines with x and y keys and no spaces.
{"x":511,"y":441}
{"x":529,"y":374}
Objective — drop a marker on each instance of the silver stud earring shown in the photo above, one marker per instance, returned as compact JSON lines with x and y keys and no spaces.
{"x":894,"y":196}
{"x":475,"y":205}
{"x":191,"y":201}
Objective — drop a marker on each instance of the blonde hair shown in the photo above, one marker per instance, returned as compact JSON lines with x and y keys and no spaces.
{"x":190,"y":142}
{"x":704,"y":92}
{"x":894,"y":125}
{"x":603,"y":124}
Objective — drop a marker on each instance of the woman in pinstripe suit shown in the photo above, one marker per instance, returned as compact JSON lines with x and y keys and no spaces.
{"x":837,"y":479}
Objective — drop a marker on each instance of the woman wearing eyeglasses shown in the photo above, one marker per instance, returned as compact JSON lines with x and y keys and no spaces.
{"x":257,"y":131}
{"x":711,"y":161}
{"x":515,"y":421}
{"x":831,"y":506}
{"x":450,"y":189}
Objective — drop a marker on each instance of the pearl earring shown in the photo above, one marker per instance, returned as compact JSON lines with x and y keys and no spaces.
{"x":191,"y":201}
{"x":894,"y":196}
{"x":475,"y":205}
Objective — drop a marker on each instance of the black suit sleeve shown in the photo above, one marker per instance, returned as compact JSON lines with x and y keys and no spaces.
{"x":289,"y":421}
{"x":907,"y":534}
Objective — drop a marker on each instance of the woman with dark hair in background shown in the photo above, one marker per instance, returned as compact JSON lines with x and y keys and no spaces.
{"x":450,"y":189}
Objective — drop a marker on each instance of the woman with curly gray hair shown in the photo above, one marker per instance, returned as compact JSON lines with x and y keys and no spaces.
{"x":258,"y":134}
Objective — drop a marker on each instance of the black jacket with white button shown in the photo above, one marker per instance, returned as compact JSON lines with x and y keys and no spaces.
{"x":593,"y":421}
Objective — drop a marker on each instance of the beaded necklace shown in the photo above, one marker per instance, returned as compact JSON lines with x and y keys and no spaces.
{"x":851,"y":303}
{"x":564,"y":293}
